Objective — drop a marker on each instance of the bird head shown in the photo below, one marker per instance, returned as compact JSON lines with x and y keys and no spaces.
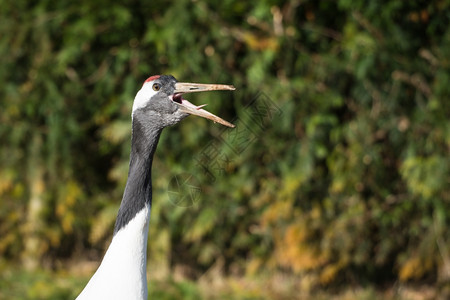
{"x":161,"y":100}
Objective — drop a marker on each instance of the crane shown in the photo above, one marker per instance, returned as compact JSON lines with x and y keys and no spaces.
{"x":158,"y":104}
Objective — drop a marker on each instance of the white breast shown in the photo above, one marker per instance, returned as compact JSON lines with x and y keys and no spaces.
{"x":122,"y":273}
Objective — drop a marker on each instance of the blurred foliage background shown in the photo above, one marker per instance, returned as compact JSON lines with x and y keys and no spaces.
{"x":342,"y":182}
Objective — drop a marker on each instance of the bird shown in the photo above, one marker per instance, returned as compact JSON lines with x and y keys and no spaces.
{"x":158,"y":104}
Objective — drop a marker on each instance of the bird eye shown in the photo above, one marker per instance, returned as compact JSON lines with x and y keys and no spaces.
{"x":156,"y":87}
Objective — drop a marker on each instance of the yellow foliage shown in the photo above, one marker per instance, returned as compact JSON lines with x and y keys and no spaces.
{"x":261,"y":43}
{"x":329,"y":273}
{"x":276,"y":211}
{"x":5,"y":184}
{"x":6,"y":240}
{"x":296,"y":234}
{"x":102,"y":223}
{"x":316,"y":212}
{"x":416,"y":172}
{"x":69,"y":196}
{"x":337,"y":186}
{"x":67,"y":222}
{"x":204,"y":223}
{"x":283,"y":207}
{"x":54,"y":236}
{"x":254,"y":266}
{"x":293,"y":250}
{"x":413,"y":268}
{"x":18,"y":190}
{"x":255,"y":41}
{"x":116,"y":132}
{"x":73,"y":192}
{"x":290,"y":187}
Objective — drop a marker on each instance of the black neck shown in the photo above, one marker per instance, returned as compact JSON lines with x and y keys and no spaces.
{"x":138,"y":190}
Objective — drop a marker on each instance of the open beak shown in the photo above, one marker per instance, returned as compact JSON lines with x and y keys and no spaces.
{"x":187,"y":107}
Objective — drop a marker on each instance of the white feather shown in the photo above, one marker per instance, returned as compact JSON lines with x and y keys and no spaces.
{"x":122,"y":273}
{"x":143,"y":96}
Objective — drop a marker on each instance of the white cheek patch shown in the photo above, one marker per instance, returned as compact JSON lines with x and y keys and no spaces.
{"x":143,"y":96}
